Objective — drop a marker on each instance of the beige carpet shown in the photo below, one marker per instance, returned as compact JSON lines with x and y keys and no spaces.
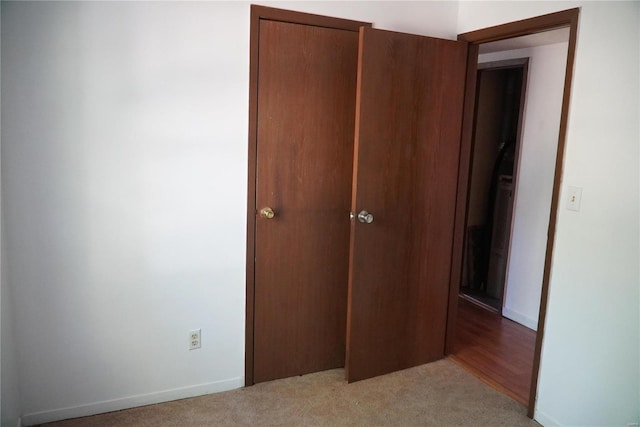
{"x":437,"y":394}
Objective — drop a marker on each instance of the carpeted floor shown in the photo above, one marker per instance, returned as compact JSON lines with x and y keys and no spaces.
{"x":436,"y":394}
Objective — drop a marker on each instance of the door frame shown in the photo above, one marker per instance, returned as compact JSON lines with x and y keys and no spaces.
{"x":567,"y":18}
{"x":272,"y":14}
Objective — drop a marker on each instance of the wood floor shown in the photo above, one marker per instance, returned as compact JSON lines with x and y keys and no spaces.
{"x":496,"y":349}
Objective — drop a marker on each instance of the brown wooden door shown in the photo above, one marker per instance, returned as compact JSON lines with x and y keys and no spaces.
{"x":306,"y":112}
{"x":409,"y":111}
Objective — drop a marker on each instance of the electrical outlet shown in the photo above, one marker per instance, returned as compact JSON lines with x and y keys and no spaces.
{"x":195,"y":341}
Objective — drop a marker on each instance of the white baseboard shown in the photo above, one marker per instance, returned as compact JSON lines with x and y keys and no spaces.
{"x":131,"y":402}
{"x":520,"y":318}
{"x":544,"y":419}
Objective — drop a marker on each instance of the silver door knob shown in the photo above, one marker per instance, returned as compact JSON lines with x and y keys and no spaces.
{"x":365,"y":217}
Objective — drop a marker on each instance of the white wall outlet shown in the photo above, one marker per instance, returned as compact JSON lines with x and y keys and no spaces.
{"x":195,"y":340}
{"x":574,"y":198}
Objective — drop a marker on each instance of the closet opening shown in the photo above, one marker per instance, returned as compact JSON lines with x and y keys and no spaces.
{"x":500,"y":94}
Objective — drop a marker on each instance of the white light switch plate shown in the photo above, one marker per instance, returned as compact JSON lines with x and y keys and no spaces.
{"x":574,"y":198}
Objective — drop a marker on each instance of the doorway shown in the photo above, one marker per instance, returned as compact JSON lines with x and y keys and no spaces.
{"x":511,"y":35}
{"x":499,"y":110}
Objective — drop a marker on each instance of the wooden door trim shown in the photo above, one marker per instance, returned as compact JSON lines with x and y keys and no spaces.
{"x":567,"y":18}
{"x":267,"y":13}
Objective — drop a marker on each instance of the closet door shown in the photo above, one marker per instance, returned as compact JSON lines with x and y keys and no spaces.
{"x":408,"y":121}
{"x":305,"y":120}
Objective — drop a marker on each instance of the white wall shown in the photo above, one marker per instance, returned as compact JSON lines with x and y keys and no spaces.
{"x":534,"y":185}
{"x":10,"y":409}
{"x":124,"y":173}
{"x":123,"y":129}
{"x":589,"y":372}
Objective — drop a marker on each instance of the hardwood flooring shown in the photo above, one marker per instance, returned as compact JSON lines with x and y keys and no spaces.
{"x":496,"y":349}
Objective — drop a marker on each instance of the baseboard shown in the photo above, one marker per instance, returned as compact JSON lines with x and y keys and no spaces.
{"x":520,"y":318}
{"x":131,"y":402}
{"x":544,"y":419}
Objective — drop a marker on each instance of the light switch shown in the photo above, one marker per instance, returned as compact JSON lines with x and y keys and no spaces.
{"x":574,"y":198}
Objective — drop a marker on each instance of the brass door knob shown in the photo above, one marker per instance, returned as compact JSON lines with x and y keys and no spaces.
{"x":267,"y":213}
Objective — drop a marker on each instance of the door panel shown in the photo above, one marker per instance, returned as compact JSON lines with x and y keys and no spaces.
{"x":306,"y":113}
{"x":408,"y":117}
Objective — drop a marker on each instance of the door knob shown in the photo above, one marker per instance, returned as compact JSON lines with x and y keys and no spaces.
{"x":267,"y":213}
{"x":365,"y":217}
